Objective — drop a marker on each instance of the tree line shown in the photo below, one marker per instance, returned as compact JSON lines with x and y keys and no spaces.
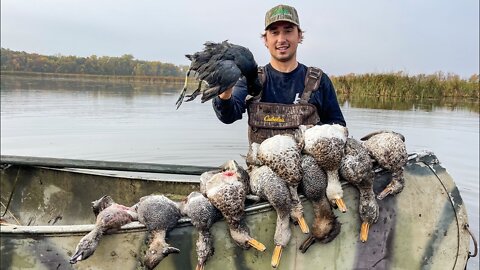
{"x":125,"y":65}
{"x":398,"y":84}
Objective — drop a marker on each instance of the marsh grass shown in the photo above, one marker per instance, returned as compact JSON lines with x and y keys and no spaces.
{"x":401,"y":85}
{"x":410,"y":104}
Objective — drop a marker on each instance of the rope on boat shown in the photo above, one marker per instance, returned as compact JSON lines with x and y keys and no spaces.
{"x":11,"y":194}
{"x":475,"y":243}
{"x":451,"y":202}
{"x":11,"y":214}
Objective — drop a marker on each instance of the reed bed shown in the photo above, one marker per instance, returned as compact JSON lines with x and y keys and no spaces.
{"x":390,"y":85}
{"x":400,"y":85}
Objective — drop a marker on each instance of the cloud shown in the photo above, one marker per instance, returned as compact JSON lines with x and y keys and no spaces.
{"x":341,"y":37}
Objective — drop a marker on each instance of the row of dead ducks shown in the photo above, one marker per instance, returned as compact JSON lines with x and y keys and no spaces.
{"x":313,"y":159}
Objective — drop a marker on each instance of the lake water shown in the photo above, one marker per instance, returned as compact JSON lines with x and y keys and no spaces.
{"x":139,"y":123}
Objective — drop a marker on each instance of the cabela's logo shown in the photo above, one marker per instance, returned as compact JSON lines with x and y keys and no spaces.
{"x":271,"y":118}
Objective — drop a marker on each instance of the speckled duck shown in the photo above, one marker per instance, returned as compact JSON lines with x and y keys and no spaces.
{"x":357,"y":169}
{"x":229,"y":165}
{"x":282,"y":153}
{"x":269,"y":186}
{"x":159,"y":214}
{"x":203,"y":215}
{"x":325,"y":225}
{"x":110,"y":217}
{"x":326,"y":144}
{"x":389,"y":151}
{"x":227,"y":192}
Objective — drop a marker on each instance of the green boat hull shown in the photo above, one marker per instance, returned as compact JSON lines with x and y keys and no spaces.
{"x":424,"y":227}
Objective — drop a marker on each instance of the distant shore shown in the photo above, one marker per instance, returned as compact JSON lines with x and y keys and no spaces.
{"x":390,"y":85}
{"x":149,"y":79}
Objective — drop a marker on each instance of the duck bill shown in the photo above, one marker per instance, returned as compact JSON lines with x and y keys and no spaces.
{"x":277,"y":254}
{"x":364,"y":231}
{"x":307,"y":243}
{"x":303,"y":225}
{"x":257,"y":245}
{"x":341,"y":205}
{"x":199,"y":266}
{"x":387,"y":191}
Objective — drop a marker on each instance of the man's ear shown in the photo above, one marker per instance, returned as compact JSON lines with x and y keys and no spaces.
{"x":264,"y":38}
{"x":300,"y":37}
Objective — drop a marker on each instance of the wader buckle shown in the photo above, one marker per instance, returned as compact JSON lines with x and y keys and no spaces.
{"x":315,"y":73}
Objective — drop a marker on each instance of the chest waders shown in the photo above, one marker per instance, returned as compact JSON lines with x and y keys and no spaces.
{"x":269,"y":119}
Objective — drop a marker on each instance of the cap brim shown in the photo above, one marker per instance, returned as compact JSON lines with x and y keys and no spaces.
{"x":282,"y":20}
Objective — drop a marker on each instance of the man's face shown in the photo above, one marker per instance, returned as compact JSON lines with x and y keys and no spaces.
{"x":282,"y":39}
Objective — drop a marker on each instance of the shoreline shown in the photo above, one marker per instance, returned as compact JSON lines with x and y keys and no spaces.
{"x":123,"y":78}
{"x":388,"y":85}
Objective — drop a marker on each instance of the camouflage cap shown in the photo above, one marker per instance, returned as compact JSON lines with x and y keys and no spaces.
{"x":281,"y":13}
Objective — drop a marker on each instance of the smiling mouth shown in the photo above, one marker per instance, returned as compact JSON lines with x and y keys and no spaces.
{"x":282,"y":48}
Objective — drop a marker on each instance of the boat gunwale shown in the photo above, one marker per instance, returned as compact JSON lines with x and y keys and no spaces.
{"x":64,"y":230}
{"x":79,"y":229}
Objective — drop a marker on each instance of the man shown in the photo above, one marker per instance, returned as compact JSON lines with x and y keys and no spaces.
{"x":284,"y":84}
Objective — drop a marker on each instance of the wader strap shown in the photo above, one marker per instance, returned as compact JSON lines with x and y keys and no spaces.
{"x":312,"y":81}
{"x":261,"y":75}
{"x":268,"y":119}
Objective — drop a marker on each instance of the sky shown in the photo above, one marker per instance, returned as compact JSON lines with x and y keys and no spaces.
{"x":341,"y":37}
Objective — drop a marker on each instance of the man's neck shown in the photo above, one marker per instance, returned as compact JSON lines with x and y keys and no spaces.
{"x":284,"y":67}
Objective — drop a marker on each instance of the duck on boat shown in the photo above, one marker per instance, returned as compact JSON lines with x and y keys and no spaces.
{"x":45,"y":214}
{"x":325,"y":225}
{"x":326,"y":145}
{"x":202,"y":215}
{"x":110,"y":217}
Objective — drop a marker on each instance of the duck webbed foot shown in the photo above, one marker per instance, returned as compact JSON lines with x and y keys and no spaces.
{"x":195,"y":93}
{"x":183,"y":91}
{"x":210,"y":93}
{"x":180,"y":98}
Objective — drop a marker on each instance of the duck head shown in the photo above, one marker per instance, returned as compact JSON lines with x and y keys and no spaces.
{"x":240,"y":173}
{"x":157,"y":251}
{"x":369,"y":215}
{"x":86,"y":247}
{"x":102,"y":203}
{"x":395,"y":186}
{"x":232,"y":165}
{"x":244,"y":240}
